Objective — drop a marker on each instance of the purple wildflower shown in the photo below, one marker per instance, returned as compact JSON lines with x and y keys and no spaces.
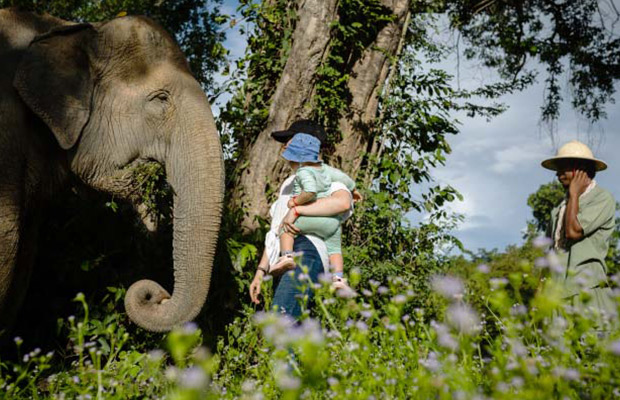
{"x":190,"y":328}
{"x":360,"y":325}
{"x":541,"y":262}
{"x":448,"y":286}
{"x":614,"y":347}
{"x":193,"y":378}
{"x":483,"y":268}
{"x":542,"y":242}
{"x":399,"y":299}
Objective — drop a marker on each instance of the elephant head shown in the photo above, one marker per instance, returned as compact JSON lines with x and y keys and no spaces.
{"x":120,"y":93}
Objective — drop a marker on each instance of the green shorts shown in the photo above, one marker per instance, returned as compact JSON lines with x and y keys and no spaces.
{"x":327,"y":228}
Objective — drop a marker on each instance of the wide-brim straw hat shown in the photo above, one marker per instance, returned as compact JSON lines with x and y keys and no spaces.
{"x":574,"y":150}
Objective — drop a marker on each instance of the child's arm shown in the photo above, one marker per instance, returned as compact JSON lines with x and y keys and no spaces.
{"x":307,"y":183}
{"x":303,"y":198}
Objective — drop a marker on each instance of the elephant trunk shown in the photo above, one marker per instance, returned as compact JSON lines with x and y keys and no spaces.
{"x":195,"y":171}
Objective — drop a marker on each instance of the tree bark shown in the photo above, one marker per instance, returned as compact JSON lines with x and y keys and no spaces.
{"x":293,"y":100}
{"x":368,"y":77}
{"x":290,"y":101}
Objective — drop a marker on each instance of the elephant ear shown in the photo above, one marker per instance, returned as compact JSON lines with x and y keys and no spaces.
{"x":54,"y":79}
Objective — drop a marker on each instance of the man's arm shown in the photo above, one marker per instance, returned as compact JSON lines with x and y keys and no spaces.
{"x":573,"y":228}
{"x":577,"y":187}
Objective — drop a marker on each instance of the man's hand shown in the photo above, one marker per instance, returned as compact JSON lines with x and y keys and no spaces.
{"x":255,"y":286}
{"x":291,"y":203}
{"x":357,"y":196}
{"x":579,"y":183}
{"x":288,"y":223}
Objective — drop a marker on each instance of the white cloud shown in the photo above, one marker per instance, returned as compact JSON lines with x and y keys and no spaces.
{"x":511,"y":160}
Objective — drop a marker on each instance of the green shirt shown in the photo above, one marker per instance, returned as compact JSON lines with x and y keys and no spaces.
{"x":586,"y":257}
{"x":318,"y":180}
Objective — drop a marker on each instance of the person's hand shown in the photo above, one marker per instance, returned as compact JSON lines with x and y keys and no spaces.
{"x":255,"y":286}
{"x":291,"y":203}
{"x":288,"y":223}
{"x":579,"y":183}
{"x":357,"y":196}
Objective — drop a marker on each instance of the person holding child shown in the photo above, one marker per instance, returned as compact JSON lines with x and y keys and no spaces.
{"x":313,"y":181}
{"x":300,"y":227}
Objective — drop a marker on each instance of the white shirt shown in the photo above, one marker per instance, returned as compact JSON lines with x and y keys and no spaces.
{"x":278,"y":211}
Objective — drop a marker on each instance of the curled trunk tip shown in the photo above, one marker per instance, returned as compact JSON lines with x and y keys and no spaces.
{"x":149,"y":306}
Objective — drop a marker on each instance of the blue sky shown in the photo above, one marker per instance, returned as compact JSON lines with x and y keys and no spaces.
{"x":496,"y":164}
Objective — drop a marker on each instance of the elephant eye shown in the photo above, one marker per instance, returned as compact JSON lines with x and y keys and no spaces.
{"x":159,"y":95}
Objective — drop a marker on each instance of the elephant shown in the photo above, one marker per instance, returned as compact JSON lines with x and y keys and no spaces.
{"x":87,"y":103}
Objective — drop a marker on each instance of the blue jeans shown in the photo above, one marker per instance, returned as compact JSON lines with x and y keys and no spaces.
{"x":288,"y":289}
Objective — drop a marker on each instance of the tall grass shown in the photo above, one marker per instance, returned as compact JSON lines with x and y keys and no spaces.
{"x":367,"y":342}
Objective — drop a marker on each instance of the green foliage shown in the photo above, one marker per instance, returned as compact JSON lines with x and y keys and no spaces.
{"x":240,"y":253}
{"x":416,"y":116}
{"x":543,"y":201}
{"x":154,"y":191}
{"x":195,"y":24}
{"x":577,"y":37}
{"x":507,"y":334}
{"x":359,"y":22}
{"x":256,"y":75}
{"x":515,"y":263}
{"x":103,"y":357}
{"x":359,"y":343}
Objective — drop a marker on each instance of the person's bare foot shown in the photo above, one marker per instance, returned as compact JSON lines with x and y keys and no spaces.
{"x":284,"y":264}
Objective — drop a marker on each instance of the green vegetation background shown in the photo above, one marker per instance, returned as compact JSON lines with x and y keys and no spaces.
{"x":384,"y":337}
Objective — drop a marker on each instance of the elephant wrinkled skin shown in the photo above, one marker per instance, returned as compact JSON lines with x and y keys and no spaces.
{"x":90,"y":102}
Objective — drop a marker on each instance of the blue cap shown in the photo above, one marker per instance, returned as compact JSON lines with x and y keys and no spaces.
{"x":302,"y":148}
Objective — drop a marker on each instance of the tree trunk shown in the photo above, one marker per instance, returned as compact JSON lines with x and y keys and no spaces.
{"x":293,"y":99}
{"x":366,"y":85}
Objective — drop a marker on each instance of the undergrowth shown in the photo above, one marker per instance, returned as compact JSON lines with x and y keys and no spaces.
{"x":367,"y":342}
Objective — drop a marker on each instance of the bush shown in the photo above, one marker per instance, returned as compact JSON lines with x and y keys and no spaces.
{"x":358,"y":343}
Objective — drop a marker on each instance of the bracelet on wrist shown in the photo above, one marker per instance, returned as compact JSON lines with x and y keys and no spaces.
{"x":296,"y":212}
{"x":265,"y":271}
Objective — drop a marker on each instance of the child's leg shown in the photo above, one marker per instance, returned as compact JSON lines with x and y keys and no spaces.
{"x":334,"y":249}
{"x":286,"y":243}
{"x":322,"y":227}
{"x":335,"y":259}
{"x":337,"y":264}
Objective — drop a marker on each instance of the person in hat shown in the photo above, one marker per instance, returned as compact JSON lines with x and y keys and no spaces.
{"x":313,"y":181}
{"x":313,"y":248}
{"x":581,"y":226}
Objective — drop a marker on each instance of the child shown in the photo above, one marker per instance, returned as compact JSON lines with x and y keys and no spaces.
{"x":312,"y":181}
